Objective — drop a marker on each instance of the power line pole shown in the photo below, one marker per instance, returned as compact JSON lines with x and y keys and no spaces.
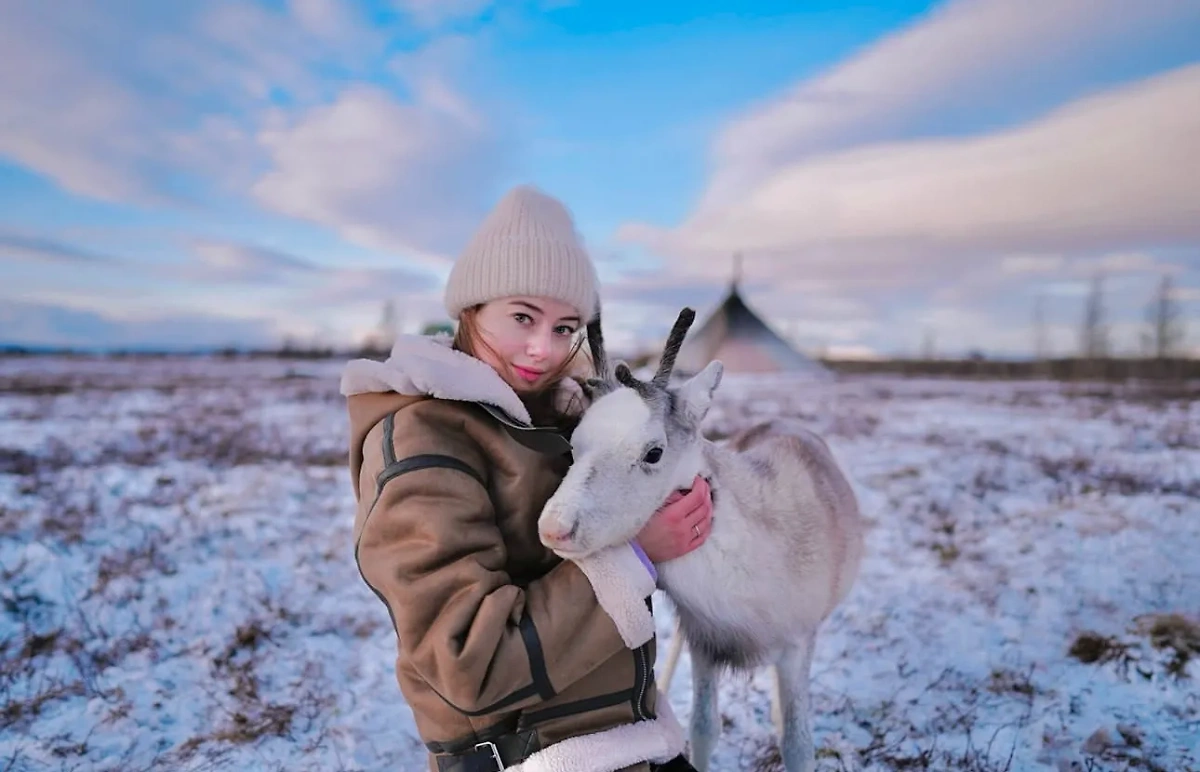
{"x":1166,"y":323}
{"x":1095,"y":340}
{"x":1041,"y":344}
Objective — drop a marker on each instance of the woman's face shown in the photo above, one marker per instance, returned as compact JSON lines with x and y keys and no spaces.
{"x":526,"y":338}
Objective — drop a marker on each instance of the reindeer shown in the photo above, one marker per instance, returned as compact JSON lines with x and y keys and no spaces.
{"x":784,"y":549}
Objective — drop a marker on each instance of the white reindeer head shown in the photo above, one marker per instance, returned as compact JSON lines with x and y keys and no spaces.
{"x":634,"y":445}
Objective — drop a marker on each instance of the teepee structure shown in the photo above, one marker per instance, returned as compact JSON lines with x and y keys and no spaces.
{"x":734,"y":334}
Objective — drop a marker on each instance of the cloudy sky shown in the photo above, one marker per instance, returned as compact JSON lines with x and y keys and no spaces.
{"x":209,"y":172}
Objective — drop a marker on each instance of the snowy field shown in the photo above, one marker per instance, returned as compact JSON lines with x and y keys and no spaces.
{"x":179,"y":591}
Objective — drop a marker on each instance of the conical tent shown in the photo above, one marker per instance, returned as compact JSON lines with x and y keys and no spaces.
{"x":744,"y":343}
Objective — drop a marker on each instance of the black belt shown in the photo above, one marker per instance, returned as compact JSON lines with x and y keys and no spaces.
{"x":492,"y":756}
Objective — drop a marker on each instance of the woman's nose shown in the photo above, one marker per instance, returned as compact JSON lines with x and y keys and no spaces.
{"x":538,"y":345}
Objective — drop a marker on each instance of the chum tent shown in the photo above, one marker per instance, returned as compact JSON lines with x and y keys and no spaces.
{"x":736,"y":335}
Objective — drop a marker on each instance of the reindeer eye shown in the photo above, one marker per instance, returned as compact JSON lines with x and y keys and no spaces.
{"x":653,"y":456}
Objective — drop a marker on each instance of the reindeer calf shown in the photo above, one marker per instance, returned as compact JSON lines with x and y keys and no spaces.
{"x":785,"y":546}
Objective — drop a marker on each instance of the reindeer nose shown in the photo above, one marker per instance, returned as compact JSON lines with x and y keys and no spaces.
{"x":559,"y":534}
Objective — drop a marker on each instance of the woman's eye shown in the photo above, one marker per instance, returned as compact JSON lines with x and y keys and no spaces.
{"x":565,"y":330}
{"x":522,"y":318}
{"x":653,"y":456}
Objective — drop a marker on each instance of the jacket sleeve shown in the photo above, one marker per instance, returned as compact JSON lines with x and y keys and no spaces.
{"x":431,"y":549}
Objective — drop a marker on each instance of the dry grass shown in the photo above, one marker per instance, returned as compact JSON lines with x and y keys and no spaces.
{"x":1174,"y":633}
{"x":1092,"y":648}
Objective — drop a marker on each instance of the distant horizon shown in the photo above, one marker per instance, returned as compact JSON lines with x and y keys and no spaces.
{"x":636,"y":344}
{"x":202,"y":174}
{"x":311,"y":349}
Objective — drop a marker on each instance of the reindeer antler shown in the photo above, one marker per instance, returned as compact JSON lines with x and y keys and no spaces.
{"x":595,"y":339}
{"x":601,"y":382}
{"x":671,"y":350}
{"x":666,"y":364}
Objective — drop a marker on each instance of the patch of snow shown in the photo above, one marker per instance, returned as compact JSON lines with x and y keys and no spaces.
{"x":179,"y":592}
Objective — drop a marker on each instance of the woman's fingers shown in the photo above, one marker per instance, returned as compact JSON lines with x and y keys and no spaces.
{"x":699,"y":495}
{"x":687,"y":516}
{"x":698,"y":521}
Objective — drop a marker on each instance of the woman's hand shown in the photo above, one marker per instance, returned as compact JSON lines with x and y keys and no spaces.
{"x":680,"y":525}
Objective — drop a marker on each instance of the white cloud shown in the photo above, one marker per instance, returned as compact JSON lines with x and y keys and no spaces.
{"x":1106,"y":172}
{"x":382,"y":173}
{"x":248,"y":49}
{"x":432,"y":14}
{"x":1031,"y":264}
{"x":65,"y":113}
{"x":65,"y":325}
{"x":863,"y":199}
{"x":224,"y":261}
{"x":329,"y":19}
{"x":116,"y":106}
{"x":304,"y":286}
{"x":1123,"y":263}
{"x":435,"y":13}
{"x":39,"y":249}
{"x":356,"y":286}
{"x":184,"y":97}
{"x":965,"y":56}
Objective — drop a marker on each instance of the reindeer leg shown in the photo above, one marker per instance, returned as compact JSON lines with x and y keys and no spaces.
{"x":794,"y":671}
{"x":706,"y":720}
{"x":776,"y":702}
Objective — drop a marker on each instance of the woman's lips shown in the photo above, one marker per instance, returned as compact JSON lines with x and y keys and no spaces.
{"x":527,"y":374}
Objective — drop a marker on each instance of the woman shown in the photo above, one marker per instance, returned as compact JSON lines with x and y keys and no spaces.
{"x":505,"y":655}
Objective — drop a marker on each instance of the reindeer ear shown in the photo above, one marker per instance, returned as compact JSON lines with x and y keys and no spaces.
{"x":695,"y":395}
{"x":625,"y":376}
{"x":595,"y":388}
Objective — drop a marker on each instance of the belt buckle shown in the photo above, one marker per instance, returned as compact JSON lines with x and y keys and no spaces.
{"x":491,"y":746}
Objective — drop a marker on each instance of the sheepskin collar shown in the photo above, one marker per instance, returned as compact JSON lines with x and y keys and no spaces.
{"x":428,"y":365}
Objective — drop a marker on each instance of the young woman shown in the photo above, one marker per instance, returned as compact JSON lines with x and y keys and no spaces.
{"x":505,"y":655}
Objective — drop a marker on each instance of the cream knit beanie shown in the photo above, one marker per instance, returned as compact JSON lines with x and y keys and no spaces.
{"x":526,"y":246}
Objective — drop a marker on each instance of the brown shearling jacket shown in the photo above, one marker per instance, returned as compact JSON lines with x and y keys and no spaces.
{"x":497,"y":636}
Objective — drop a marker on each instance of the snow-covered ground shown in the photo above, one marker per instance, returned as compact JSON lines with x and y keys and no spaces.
{"x":179,"y":591}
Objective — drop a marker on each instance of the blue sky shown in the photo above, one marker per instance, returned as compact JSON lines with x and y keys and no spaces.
{"x":232,"y":173}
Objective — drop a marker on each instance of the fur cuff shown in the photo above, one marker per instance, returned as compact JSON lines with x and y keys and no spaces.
{"x":657,"y":741}
{"x":622,"y":584}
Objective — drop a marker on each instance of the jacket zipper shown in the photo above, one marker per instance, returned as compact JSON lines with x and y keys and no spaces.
{"x":641,"y":684}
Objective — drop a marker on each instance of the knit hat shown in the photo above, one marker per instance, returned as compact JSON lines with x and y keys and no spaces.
{"x":527,"y":245}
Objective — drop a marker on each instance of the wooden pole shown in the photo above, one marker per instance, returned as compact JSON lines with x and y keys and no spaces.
{"x":664,"y":681}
